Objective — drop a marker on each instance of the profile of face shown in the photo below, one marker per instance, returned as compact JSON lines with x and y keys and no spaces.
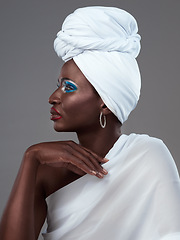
{"x":76,"y":105}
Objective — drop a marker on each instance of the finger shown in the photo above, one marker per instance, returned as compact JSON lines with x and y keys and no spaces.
{"x":74,"y":169}
{"x":88,"y":158}
{"x":79,"y":172}
{"x":78,"y":163}
{"x":100,"y":159}
{"x":94,"y":159}
{"x":95,"y":162}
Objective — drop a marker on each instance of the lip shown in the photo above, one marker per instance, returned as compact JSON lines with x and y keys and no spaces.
{"x":55,"y":114}
{"x":54,"y":111}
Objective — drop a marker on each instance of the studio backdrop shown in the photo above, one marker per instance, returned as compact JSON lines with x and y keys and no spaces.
{"x":30,"y":68}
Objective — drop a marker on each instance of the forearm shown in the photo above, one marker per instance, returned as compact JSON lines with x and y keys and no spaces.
{"x":18,"y":218}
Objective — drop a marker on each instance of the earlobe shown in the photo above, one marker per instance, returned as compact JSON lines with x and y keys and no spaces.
{"x":104,"y":109}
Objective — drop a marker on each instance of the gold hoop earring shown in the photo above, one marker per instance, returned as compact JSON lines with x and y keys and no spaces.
{"x":103,"y":125}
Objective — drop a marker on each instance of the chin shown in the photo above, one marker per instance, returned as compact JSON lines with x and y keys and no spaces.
{"x":62,"y":129}
{"x":57,"y":129}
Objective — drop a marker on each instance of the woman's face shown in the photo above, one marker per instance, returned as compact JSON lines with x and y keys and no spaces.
{"x":75,"y":103}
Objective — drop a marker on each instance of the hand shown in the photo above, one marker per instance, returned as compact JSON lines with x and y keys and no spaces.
{"x":70,"y":155}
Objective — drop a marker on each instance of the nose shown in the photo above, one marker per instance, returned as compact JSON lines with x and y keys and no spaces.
{"x":55,"y":98}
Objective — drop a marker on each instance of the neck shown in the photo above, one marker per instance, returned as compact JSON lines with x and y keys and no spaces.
{"x":101,"y":140}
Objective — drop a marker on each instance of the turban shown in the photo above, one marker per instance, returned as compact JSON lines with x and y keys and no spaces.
{"x":104,"y":43}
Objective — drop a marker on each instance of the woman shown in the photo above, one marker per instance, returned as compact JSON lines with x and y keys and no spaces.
{"x":110,"y":185}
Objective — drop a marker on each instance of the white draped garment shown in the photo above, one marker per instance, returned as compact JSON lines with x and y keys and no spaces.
{"x":139,"y":199}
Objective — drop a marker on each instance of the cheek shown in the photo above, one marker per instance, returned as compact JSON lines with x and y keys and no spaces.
{"x":80,"y":105}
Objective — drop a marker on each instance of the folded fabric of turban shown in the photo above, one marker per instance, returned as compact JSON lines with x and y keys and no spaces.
{"x":104,"y":43}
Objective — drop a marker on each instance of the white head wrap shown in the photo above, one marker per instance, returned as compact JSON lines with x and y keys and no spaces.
{"x":104,"y":43}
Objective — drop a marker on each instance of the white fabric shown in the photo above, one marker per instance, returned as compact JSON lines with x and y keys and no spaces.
{"x":104,"y":43}
{"x":139,"y":199}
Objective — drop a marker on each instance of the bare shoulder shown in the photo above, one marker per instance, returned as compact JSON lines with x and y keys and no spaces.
{"x":51,"y":179}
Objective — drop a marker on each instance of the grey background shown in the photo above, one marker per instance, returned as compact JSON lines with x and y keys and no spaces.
{"x":29,"y":69}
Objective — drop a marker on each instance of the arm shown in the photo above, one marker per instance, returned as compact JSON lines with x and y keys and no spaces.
{"x":18,"y":218}
{"x":21,"y":220}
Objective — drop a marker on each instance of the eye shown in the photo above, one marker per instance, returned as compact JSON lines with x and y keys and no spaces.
{"x":68,"y":86}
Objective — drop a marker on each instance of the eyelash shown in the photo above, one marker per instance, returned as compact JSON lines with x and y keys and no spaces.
{"x":67,"y":86}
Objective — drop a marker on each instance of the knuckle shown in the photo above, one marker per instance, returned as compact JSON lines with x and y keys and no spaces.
{"x":70,"y":142}
{"x":66,"y":148}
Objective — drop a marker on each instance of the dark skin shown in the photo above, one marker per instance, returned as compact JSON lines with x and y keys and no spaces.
{"x":47,"y":167}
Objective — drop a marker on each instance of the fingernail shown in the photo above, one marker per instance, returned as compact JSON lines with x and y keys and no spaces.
{"x":99,"y":175}
{"x":93,"y":172}
{"x":105,"y":171}
{"x":106,"y":160}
